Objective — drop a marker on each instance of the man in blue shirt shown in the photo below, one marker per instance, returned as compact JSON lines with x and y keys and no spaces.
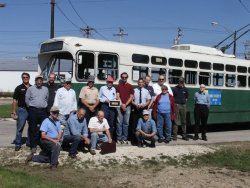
{"x":76,"y":130}
{"x":51,"y":134}
{"x":106,"y":94}
{"x":201,"y":110}
{"x":146,"y":129}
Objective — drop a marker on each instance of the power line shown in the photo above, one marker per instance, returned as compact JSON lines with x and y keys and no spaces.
{"x":244,"y":6}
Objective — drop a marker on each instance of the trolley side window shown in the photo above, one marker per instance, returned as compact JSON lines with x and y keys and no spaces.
{"x":248,"y":81}
{"x":218,"y":79}
{"x":205,"y":65}
{"x":156,"y":72}
{"x":242,"y":69}
{"x":139,"y":72}
{"x":85,"y":69}
{"x":156,"y":60}
{"x":205,"y":78}
{"x":107,"y":66}
{"x":174,"y":75}
{"x":191,"y":64}
{"x":230,"y":68}
{"x":218,"y":66}
{"x":140,"y":58}
{"x":241,"y":81}
{"x":230,"y":80}
{"x":175,"y":62}
{"x":190,"y":77}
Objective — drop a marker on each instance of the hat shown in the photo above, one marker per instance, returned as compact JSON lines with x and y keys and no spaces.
{"x":110,"y":79}
{"x":38,"y":77}
{"x":145,"y":112}
{"x":181,"y":80}
{"x":54,"y":109}
{"x":67,"y":80}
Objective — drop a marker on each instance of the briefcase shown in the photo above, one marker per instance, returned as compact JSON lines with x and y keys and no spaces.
{"x":108,"y":148}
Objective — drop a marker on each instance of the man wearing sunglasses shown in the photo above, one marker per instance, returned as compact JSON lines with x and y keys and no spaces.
{"x":20,"y":114}
{"x":161,"y":82}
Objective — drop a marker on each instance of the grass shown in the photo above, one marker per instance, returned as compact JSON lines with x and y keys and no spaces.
{"x":12,"y":179}
{"x":5,"y":110}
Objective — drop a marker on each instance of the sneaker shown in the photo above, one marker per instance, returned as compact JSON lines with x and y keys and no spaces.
{"x":204,"y":138}
{"x":73,"y":156}
{"x":140,"y":145}
{"x":175,"y":139}
{"x":152,"y":145}
{"x":126,"y":142}
{"x":120,"y":142}
{"x":98,"y":147}
{"x":185,"y":138}
{"x":17,"y":148}
{"x":160,"y":140}
{"x":53,"y":167}
{"x":166,"y":141}
{"x":29,"y":158}
{"x":92,"y":152}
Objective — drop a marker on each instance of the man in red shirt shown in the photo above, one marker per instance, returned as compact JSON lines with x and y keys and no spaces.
{"x":125,"y":93}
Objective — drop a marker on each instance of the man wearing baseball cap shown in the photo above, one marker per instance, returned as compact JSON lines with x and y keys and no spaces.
{"x":146,"y":130}
{"x":106,"y":94}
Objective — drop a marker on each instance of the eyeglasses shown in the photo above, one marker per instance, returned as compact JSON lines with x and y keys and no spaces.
{"x":56,"y":112}
{"x":25,"y":77}
{"x":67,"y":83}
{"x":124,"y":77}
{"x":161,"y":79}
{"x":164,"y":89}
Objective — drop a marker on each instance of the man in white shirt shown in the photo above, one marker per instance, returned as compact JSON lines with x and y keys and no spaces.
{"x":161,"y":82}
{"x":97,"y":126}
{"x":65,"y":100}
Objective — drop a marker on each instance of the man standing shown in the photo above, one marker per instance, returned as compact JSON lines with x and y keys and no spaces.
{"x":180,"y":97}
{"x":201,"y":111}
{"x":36,"y":99}
{"x":20,"y":114}
{"x":97,"y":126}
{"x":90,"y":99}
{"x":106,"y":94}
{"x":140,"y":102}
{"x":65,"y":100}
{"x":150,"y":89}
{"x":52,"y":87}
{"x":161,"y":82}
{"x":125,"y":93}
{"x":51,"y":135}
{"x":76,"y":131}
{"x":146,"y":129}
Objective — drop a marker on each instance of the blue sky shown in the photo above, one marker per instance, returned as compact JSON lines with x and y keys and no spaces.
{"x":26,"y":23}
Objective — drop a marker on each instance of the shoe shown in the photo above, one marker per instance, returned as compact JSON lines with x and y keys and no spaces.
{"x":152,"y":145}
{"x":166,"y":141}
{"x":92,"y":152}
{"x":27,"y":144}
{"x":17,"y":148}
{"x":196,"y":138}
{"x":73,"y":156}
{"x":98,"y":147}
{"x":126,"y":142}
{"x":120,"y":142}
{"x":175,"y":139}
{"x":185,"y":138}
{"x":29,"y":158}
{"x":140,"y":145}
{"x":160,"y":140}
{"x":53,"y":167}
{"x":204,"y":138}
{"x":33,"y":150}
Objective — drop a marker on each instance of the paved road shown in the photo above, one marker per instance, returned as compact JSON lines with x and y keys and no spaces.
{"x":7,"y":134}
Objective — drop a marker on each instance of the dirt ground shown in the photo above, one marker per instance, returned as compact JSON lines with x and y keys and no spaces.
{"x":138,"y":171}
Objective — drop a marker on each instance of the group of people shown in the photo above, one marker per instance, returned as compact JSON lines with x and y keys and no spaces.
{"x":144,"y":113}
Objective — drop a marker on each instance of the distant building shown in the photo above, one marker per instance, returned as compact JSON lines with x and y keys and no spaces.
{"x":11,"y":70}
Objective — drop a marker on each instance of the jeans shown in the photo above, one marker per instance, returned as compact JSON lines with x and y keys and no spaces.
{"x":36,"y":117}
{"x":75,"y":140}
{"x":141,"y":137}
{"x":22,"y":114}
{"x":122,"y":123}
{"x":110,"y":114}
{"x":95,"y":138}
{"x":51,"y":152}
{"x":164,"y":122}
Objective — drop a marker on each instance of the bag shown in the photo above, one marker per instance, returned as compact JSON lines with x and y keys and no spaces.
{"x":108,"y":147}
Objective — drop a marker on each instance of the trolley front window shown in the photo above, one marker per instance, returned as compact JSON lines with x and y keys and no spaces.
{"x":85,"y":70}
{"x":107,"y":66}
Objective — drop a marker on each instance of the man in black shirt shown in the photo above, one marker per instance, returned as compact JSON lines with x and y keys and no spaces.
{"x":20,"y":114}
{"x":180,"y":96}
{"x":52,"y":87}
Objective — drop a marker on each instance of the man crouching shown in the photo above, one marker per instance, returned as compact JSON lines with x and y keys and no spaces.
{"x":51,"y":134}
{"x":146,"y":130}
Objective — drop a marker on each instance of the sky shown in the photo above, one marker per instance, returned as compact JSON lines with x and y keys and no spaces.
{"x":24,"y":24}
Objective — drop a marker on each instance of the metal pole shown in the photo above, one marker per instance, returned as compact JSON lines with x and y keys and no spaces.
{"x":52,"y":31}
{"x":234,"y":49}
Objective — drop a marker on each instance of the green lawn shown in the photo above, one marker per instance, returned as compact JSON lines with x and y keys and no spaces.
{"x":14,"y":179}
{"x":5,"y":110}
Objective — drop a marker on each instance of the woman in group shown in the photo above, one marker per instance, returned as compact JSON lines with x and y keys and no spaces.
{"x":164,"y":112}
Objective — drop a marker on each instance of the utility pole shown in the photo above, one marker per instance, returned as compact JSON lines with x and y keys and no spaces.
{"x":52,"y":31}
{"x":120,"y":34}
{"x":87,"y":31}
{"x":178,"y":37}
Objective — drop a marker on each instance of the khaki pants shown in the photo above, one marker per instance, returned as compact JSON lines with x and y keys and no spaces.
{"x":180,"y":120}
